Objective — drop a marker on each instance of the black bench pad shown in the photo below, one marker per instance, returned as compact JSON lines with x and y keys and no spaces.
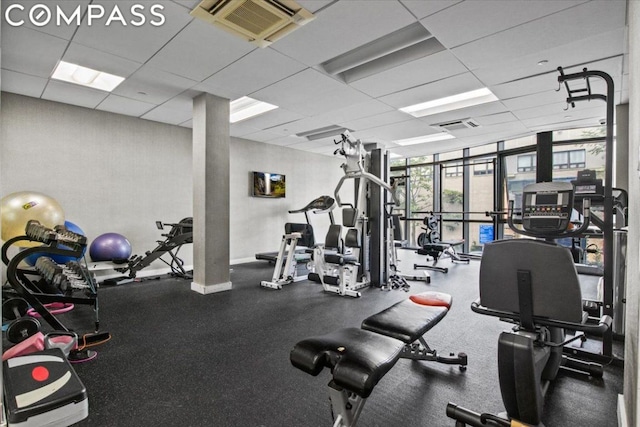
{"x":408,"y":321}
{"x":440,"y":246}
{"x":358,"y":359}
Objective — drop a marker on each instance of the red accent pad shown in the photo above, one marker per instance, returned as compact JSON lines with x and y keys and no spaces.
{"x":433,"y":299}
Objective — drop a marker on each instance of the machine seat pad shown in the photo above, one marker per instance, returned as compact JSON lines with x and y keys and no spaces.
{"x":408,"y":320}
{"x":340,"y":259}
{"x":357,"y":358}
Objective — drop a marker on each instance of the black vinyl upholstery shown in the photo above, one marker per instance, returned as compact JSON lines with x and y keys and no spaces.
{"x":306,"y":230}
{"x":357,"y":358}
{"x":333,"y":237}
{"x":405,"y":320}
{"x":554,"y":280}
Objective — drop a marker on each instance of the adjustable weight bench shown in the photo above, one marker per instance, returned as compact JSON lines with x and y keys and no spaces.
{"x":359,"y":358}
{"x":436,"y":250}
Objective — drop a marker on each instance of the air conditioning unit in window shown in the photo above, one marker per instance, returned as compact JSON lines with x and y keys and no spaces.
{"x":260,"y":22}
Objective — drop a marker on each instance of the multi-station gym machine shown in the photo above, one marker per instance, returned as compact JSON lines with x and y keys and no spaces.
{"x":365,"y":255}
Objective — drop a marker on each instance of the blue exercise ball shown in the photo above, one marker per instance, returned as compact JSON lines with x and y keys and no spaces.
{"x":110,"y":247}
{"x":59,"y":259}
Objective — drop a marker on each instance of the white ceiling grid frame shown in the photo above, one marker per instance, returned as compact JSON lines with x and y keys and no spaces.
{"x":586,"y":50}
{"x":156,"y":86}
{"x":121,"y":105}
{"x":254,"y":71}
{"x":295,"y":91}
{"x":68,"y":93}
{"x":30,"y":52}
{"x":422,"y":8}
{"x":569,"y":25}
{"x":478,"y":19}
{"x":343,"y":26}
{"x":394,"y":131}
{"x":431,"y":68}
{"x":377,"y":120}
{"x":23,"y":84}
{"x":166,"y":114}
{"x":450,"y":86}
{"x":101,"y":61}
{"x":62,"y":31}
{"x":200,"y":50}
{"x":135,"y":43}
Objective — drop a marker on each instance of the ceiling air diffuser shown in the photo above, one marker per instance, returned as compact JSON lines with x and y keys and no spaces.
{"x":260,"y":22}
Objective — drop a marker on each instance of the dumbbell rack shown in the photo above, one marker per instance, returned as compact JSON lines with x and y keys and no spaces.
{"x":35,"y":284}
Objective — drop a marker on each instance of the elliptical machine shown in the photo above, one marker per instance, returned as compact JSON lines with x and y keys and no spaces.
{"x":534,"y":284}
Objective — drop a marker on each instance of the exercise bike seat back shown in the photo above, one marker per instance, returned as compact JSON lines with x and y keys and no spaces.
{"x":545,"y":275}
{"x":555,"y":287}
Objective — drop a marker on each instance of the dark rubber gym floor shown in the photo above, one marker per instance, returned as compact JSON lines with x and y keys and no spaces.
{"x":178,"y":358}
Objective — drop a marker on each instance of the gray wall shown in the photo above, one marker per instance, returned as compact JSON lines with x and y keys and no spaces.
{"x":113,"y":173}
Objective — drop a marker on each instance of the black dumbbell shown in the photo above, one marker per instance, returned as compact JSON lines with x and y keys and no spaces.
{"x":21,"y":327}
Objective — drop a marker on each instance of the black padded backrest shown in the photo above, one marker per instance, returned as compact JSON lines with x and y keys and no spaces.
{"x":352,"y":239}
{"x":306,"y":230}
{"x":333,"y":236}
{"x":555,"y":286}
{"x":349,"y":216}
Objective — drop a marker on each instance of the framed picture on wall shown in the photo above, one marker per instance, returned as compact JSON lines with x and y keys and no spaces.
{"x":266,"y":184}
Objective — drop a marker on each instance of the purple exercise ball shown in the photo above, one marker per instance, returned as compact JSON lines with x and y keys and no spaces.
{"x":109,"y":247}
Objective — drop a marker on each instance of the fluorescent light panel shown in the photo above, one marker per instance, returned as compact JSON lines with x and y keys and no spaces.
{"x":425,"y":138}
{"x":83,"y":76}
{"x":450,"y":103}
{"x":245,"y":108}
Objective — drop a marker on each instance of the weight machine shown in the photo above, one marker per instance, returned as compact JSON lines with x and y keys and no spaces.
{"x":366,"y":255}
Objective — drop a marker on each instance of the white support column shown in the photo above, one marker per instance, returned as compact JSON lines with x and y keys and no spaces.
{"x":210,"y":194}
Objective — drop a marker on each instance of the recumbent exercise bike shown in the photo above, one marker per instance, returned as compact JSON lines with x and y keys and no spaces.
{"x":533,"y":284}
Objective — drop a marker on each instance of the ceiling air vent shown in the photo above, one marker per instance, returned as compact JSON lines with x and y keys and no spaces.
{"x":457,"y":125}
{"x":260,"y":22}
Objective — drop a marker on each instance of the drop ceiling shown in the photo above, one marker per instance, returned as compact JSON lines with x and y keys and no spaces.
{"x":490,"y":43}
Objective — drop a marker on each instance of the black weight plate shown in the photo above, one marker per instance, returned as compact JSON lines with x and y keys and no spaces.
{"x":434,"y":237}
{"x":10,"y":306}
{"x":431,"y":222}
{"x":422,"y":239}
{"x":21,"y":329}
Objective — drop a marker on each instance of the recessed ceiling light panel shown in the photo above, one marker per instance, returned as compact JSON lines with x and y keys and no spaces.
{"x":245,"y":108}
{"x":84,"y":76}
{"x":450,"y":103}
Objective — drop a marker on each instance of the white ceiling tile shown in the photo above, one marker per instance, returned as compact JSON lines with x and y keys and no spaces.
{"x":137,"y":43}
{"x":157,"y":86}
{"x":576,"y":23}
{"x":313,"y":5}
{"x":535,"y":99}
{"x":341,"y":27}
{"x":240,"y":129}
{"x":183,"y":101}
{"x":68,"y":93}
{"x":446,"y":87}
{"x":168,"y":115}
{"x":287,"y":140}
{"x":273,"y":118}
{"x":30,"y":52}
{"x":189,"y":4}
{"x":556,"y":117}
{"x":377,"y":120}
{"x":402,"y":130}
{"x":199,"y":51}
{"x":22,"y":84}
{"x":63,"y":30}
{"x":295,"y":92}
{"x":579,"y":52}
{"x":126,"y":106}
{"x":252,"y":72}
{"x":509,"y":127}
{"x":478,"y":19}
{"x":299,"y":126}
{"x":421,"y":8}
{"x":262,"y":136}
{"x":494,"y":119}
{"x":356,"y":111}
{"x":101,"y":61}
{"x":187,"y":124}
{"x":424,"y":70}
